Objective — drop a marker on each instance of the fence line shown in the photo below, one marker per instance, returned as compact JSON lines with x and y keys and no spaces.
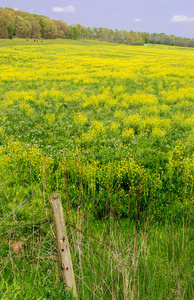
{"x":90,"y":244}
{"x":46,"y":221}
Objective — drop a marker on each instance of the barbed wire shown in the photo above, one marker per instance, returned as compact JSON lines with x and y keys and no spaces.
{"x":86,"y":235}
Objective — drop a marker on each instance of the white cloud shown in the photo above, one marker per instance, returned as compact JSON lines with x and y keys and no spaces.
{"x":66,"y":10}
{"x":137,"y":20}
{"x":181,"y":18}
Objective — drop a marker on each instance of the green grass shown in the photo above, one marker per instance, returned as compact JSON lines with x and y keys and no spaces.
{"x":109,"y":127}
{"x":25,"y":42}
{"x":110,"y":263}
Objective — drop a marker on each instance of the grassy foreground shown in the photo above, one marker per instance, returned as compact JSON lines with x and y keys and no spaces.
{"x":110,"y":261}
{"x":110,"y":127}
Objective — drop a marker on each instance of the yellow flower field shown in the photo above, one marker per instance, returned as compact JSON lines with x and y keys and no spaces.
{"x":105,"y":106}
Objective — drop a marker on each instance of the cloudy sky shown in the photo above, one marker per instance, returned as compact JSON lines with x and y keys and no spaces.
{"x":168,"y":16}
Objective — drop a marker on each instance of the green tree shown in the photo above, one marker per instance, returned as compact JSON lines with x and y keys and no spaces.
{"x":35,"y":28}
{"x":106,"y":34}
{"x":117,"y":36}
{"x":133,"y":38}
{"x":63,"y":30}
{"x":11,"y":30}
{"x":10,"y":11}
{"x":22,"y":27}
{"x":74,"y":33}
{"x":95,"y":32}
{"x":146,"y":37}
{"x":48,"y":28}
{"x":88,"y":34}
{"x":5,"y":18}
{"x":155,"y":38}
{"x":81,"y":30}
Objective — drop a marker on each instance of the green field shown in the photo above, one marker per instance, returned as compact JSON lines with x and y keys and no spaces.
{"x":111,"y":128}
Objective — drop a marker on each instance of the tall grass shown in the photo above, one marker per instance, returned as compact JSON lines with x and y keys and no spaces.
{"x":112,"y":260}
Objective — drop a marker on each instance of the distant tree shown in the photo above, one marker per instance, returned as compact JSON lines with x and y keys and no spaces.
{"x":63,"y":30}
{"x":117,"y":36}
{"x":96,"y":32}
{"x":5,"y":18}
{"x":22,"y":27}
{"x":89,"y":33}
{"x":48,"y":28}
{"x":191,"y":42}
{"x":74,"y":33}
{"x":23,"y":14}
{"x":10,"y":11}
{"x":133,"y":38}
{"x":11,"y":30}
{"x":146,"y":37}
{"x":81,"y":29}
{"x":35,"y":28}
{"x":167,"y":40}
{"x":106,"y":34}
{"x":183,"y":42}
{"x":130,"y":37}
{"x":154,"y":38}
{"x":140,"y":39}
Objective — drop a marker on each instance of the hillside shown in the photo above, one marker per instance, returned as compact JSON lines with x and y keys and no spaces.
{"x":20,"y":24}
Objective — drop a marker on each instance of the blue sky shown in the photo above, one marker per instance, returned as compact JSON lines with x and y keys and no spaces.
{"x":168,"y":16}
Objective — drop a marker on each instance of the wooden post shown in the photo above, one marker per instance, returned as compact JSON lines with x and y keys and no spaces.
{"x":62,"y":243}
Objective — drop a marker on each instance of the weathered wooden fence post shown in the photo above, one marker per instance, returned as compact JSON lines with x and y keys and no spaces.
{"x":62,"y":243}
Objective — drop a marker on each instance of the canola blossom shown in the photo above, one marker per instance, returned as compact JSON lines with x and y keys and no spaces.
{"x":119,"y":117}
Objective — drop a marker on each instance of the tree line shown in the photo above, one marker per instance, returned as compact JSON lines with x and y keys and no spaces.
{"x":17,"y":23}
